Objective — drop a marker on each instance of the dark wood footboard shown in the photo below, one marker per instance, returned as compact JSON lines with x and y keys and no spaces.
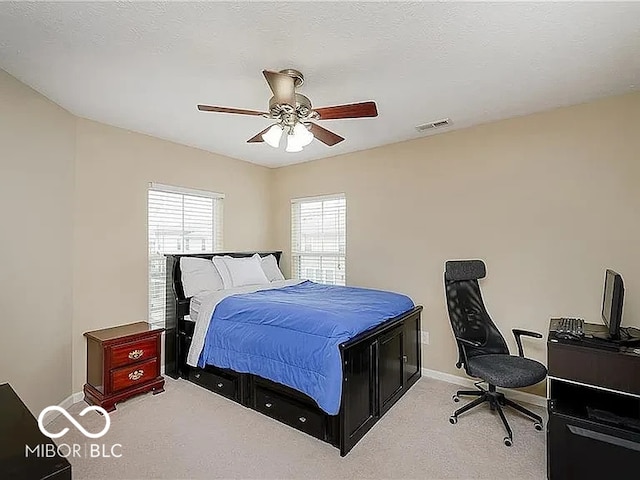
{"x":379,"y":366}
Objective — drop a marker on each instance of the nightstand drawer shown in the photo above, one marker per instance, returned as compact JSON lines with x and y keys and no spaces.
{"x":133,"y":352}
{"x":132,"y":375}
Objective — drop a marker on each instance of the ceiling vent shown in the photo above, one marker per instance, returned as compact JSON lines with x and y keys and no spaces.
{"x":431,"y":125}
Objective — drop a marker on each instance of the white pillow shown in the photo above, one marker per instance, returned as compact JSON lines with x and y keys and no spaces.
{"x":242,"y":271}
{"x":270,"y":267}
{"x":222,"y":269}
{"x":199,"y":276}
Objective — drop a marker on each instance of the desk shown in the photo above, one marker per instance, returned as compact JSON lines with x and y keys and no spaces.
{"x":17,"y":429}
{"x":585,"y":376}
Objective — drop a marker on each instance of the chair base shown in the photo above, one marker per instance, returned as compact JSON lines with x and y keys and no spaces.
{"x":496,"y":401}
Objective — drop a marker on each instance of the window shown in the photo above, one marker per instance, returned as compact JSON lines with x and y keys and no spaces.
{"x":319,"y":239}
{"x":180,"y":220}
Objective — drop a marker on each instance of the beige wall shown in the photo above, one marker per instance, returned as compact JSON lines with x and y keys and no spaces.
{"x":36,"y":192}
{"x":113,"y":170}
{"x":547,"y":200}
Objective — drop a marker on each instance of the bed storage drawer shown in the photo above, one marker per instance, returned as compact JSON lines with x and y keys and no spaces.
{"x":290,"y":412}
{"x":218,"y":382}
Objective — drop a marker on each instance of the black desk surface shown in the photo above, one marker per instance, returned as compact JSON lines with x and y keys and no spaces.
{"x":19,"y":428}
{"x":590,"y":340}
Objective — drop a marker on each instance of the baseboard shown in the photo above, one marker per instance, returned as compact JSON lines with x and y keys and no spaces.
{"x":66,"y":403}
{"x":516,"y":395}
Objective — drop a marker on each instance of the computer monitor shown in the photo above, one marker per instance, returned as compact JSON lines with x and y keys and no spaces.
{"x":612,"y":300}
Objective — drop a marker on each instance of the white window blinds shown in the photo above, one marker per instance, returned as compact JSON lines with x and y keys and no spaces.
{"x":180,"y":220}
{"x":319,"y":239}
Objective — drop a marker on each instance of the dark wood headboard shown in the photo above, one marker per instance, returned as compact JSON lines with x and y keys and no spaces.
{"x":177,"y":305}
{"x":174,"y":274}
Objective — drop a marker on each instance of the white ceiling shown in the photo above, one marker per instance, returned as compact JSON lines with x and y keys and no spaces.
{"x":144,"y":66}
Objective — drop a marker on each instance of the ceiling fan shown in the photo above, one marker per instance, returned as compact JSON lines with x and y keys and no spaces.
{"x":294,"y":113}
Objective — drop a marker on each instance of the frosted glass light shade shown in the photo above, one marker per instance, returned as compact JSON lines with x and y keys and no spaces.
{"x":302,"y":136}
{"x":292,"y":144}
{"x":273,"y":135}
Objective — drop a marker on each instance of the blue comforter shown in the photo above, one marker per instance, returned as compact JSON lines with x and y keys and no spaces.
{"x":291,"y":335}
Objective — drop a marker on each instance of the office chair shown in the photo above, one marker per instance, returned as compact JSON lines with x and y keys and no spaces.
{"x":482,"y":348}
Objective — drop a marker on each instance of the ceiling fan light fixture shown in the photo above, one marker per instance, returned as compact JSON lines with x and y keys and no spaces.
{"x":294,"y":113}
{"x":273,"y":136}
{"x":302,"y":136}
{"x":293,"y":144}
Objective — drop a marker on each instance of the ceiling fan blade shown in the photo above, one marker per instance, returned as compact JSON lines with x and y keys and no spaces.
{"x":351,"y":110}
{"x":258,"y":137}
{"x":325,"y":136}
{"x":240,"y":111}
{"x":282,"y":86}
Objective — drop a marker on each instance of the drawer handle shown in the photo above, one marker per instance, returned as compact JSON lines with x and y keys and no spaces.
{"x":268,"y":405}
{"x":405,"y":359}
{"x":197,"y":375}
{"x":136,"y":374}
{"x":302,"y":419}
{"x":135,"y":354}
{"x":220,"y":385}
{"x":603,"y":437}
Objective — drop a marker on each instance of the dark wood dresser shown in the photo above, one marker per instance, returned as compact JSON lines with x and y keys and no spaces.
{"x":19,"y":430}
{"x":122,"y":362}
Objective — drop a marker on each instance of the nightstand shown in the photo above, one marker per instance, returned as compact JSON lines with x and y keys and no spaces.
{"x":122,"y":362}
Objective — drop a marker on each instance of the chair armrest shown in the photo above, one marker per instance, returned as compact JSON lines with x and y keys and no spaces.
{"x":518,"y":333}
{"x":469,"y":343}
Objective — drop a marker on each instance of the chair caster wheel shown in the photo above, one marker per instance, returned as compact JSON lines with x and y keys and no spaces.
{"x":453,"y":419}
{"x":455,"y":398}
{"x":538,"y":426}
{"x":507,"y":442}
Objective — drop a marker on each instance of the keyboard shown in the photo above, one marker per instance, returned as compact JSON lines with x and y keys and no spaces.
{"x":570,"y":326}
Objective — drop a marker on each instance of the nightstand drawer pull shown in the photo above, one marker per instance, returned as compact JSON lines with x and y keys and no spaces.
{"x":136,"y":374}
{"x":302,"y":419}
{"x":135,"y":354}
{"x":268,"y":405}
{"x":220,"y":385}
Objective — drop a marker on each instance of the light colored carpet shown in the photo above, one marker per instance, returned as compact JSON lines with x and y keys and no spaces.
{"x":189,"y":432}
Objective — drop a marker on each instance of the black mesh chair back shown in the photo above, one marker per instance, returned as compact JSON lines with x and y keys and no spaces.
{"x":467,"y":313}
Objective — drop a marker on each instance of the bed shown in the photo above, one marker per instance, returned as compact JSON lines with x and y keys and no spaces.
{"x":376,"y":366}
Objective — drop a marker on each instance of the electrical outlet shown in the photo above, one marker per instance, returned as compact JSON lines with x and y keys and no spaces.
{"x":424,"y":337}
